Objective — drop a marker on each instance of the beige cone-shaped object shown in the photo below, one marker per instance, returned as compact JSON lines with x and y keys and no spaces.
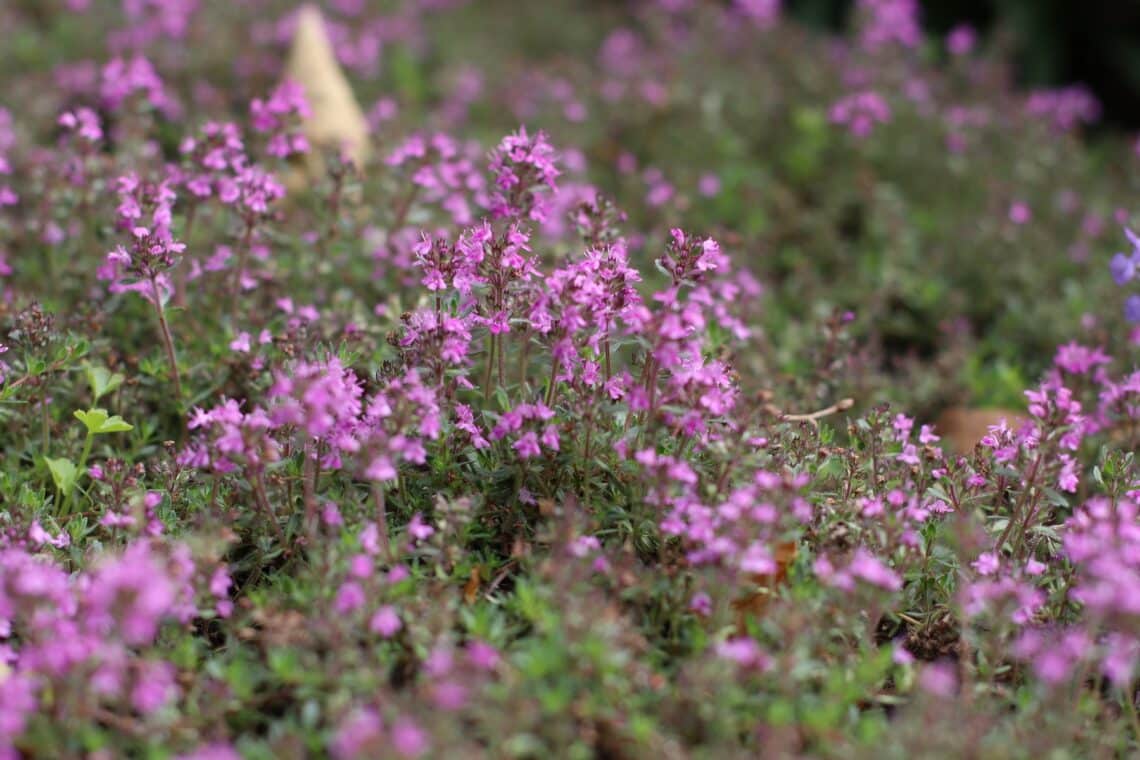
{"x":336,"y":119}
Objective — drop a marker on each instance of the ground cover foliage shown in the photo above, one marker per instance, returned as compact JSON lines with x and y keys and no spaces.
{"x":572,"y":395}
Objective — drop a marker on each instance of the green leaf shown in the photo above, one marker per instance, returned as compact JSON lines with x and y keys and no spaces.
{"x":64,"y":473}
{"x":92,"y":418}
{"x":286,"y":665}
{"x":102,"y":381}
{"x":98,"y":421}
{"x":115,"y":424}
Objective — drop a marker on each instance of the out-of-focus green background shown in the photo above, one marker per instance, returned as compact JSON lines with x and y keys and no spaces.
{"x":1055,"y":42}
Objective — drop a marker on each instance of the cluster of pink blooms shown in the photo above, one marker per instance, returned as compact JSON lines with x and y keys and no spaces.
{"x":363,"y":734}
{"x":125,"y":78}
{"x":8,"y":196}
{"x":1102,"y":540}
{"x":762,"y":13}
{"x":631,"y":69}
{"x":579,"y":309}
{"x":528,"y":425}
{"x":229,"y":438}
{"x":324,"y":401}
{"x":279,"y":116}
{"x":84,"y":637}
{"x":84,"y":122}
{"x":1064,"y":109}
{"x":151,"y":22}
{"x":961,"y":40}
{"x":445,"y":173}
{"x":212,"y":159}
{"x":884,"y":23}
{"x":145,"y":214}
{"x":863,"y":566}
{"x":540,"y":91}
{"x":860,"y":112}
{"x":653,"y":365}
{"x":522,"y":166}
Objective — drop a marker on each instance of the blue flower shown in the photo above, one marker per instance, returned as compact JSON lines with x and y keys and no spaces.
{"x":1123,"y":268}
{"x":1132,"y":308}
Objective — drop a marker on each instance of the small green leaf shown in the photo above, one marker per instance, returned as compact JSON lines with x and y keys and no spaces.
{"x":102,"y":381}
{"x":98,"y":421}
{"x":63,"y":472}
{"x":115,"y":424}
{"x":92,"y":418}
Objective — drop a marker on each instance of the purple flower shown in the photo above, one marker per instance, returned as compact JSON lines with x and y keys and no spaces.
{"x":1020,"y":213}
{"x":385,"y":622}
{"x":961,"y":40}
{"x":869,"y":568}
{"x":418,"y":529}
{"x":349,"y":598}
{"x":358,"y":734}
{"x":860,"y":112}
{"x":409,"y":739}
{"x":763,"y":13}
{"x":523,"y":165}
{"x":1132,"y":308}
{"x":986,"y":564}
{"x":744,"y":651}
{"x":939,"y":679}
{"x":482,"y":655}
{"x":1123,"y":268}
{"x":889,"y":22}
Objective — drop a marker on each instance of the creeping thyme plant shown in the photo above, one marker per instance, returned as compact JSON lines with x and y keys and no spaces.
{"x":590,"y":415}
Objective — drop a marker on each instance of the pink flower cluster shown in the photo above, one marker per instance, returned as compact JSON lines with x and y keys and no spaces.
{"x":84,"y":637}
{"x":279,"y":116}
{"x":444,"y":173}
{"x":145,"y":212}
{"x":889,"y":22}
{"x":325,"y":402}
{"x":124,"y":78}
{"x":1064,"y":109}
{"x":523,"y":167}
{"x":860,"y":112}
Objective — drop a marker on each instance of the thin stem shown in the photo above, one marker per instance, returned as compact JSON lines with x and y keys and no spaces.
{"x":167,"y":341}
{"x":382,"y":519}
{"x":243,"y":254}
{"x":45,"y":427}
{"x":554,"y":368}
{"x":490,"y":367}
{"x":65,"y":508}
{"x":180,"y":282}
{"x":309,"y":486}
{"x":836,"y":408}
{"x":1022,"y":501}
{"x":502,"y":352}
{"x":524,"y":357}
{"x":262,"y":500}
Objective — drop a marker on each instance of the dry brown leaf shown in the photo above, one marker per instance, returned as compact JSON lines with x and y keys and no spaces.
{"x":964,"y":427}
{"x":336,"y":119}
{"x":471,"y":588}
{"x":756,"y":601}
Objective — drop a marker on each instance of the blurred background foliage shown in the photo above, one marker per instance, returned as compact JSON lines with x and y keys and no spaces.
{"x":1053,"y":42}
